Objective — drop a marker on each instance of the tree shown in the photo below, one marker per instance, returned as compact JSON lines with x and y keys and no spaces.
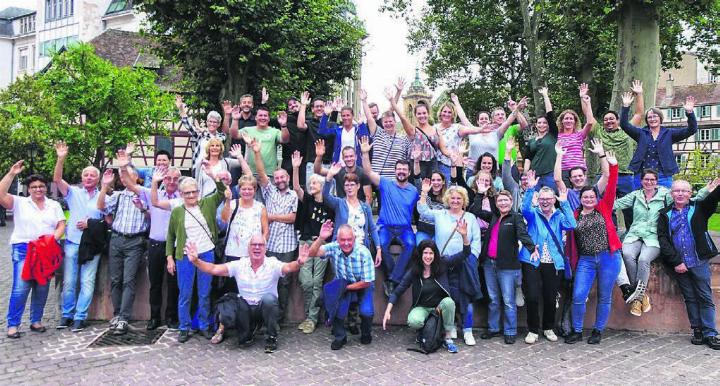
{"x":227,"y":48}
{"x":486,"y":48}
{"x":85,"y":101}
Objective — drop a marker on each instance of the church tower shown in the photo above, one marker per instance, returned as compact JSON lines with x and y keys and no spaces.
{"x":416,"y":93}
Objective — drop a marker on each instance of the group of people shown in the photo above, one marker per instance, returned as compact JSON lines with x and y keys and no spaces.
{"x":459,"y":222}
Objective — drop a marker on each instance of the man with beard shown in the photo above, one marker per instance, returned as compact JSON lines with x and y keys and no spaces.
{"x":350,"y":160}
{"x":298,"y":137}
{"x":395,"y":220}
{"x":312,"y":125}
{"x":281,"y":203}
{"x":242,"y":116}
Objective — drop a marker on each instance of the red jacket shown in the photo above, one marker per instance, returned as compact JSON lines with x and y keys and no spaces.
{"x":605,"y":207}
{"x":43,"y":258}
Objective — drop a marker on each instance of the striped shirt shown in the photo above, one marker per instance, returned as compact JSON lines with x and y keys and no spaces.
{"x":387,"y":150}
{"x":127,"y":218}
{"x":355,"y":267}
{"x":199,"y":140}
{"x":282,"y":236}
{"x":573,"y":145}
{"x":252,"y":285}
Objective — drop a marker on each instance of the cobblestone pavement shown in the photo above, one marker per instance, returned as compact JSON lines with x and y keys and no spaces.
{"x":63,"y":358}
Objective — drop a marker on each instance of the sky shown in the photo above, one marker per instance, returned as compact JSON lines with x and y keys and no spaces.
{"x":385,"y":52}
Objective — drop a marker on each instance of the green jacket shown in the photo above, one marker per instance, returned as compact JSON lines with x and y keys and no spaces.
{"x":645,"y":214}
{"x":176,"y":229}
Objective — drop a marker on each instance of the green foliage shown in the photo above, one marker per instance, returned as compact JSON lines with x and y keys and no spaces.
{"x":477,"y":47}
{"x":699,"y":168}
{"x":119,"y":105}
{"x":229,"y":47}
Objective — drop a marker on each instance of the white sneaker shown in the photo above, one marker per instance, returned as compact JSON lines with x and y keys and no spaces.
{"x":469,"y":338}
{"x":114,"y":321}
{"x":531,"y":338}
{"x":453,"y":333}
{"x":550,"y":335}
{"x":519,"y":297}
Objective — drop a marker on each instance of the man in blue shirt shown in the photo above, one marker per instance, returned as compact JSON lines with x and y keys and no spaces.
{"x":686,"y":245}
{"x":354,"y":281}
{"x":398,"y":199}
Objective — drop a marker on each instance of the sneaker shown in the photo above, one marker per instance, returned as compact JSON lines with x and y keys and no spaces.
{"x":697,"y":338}
{"x":450,"y":346}
{"x":207,"y":334}
{"x":550,"y":335}
{"x":338,"y":344}
{"x":531,"y":338}
{"x":302,"y":325}
{"x":366,"y":339}
{"x":271,"y":344}
{"x":519,"y":297}
{"x":573,"y":338}
{"x":173,"y":325}
{"x":595,"y":337}
{"x":309,"y":327}
{"x":646,"y":306}
{"x":78,"y":326}
{"x":114,"y":322}
{"x":509,"y":339}
{"x":636,"y":308}
{"x":638,"y":293}
{"x":121,"y":328}
{"x":184,"y":336}
{"x":489,"y":334}
{"x":713,"y":342}
{"x":152,"y":324}
{"x":453,"y":333}
{"x":64,"y":323}
{"x":469,"y":338}
{"x":245,"y":343}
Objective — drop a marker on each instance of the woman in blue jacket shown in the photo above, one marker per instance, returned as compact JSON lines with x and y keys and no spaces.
{"x":542,"y":276}
{"x":430,"y":285}
{"x":654,"y":142}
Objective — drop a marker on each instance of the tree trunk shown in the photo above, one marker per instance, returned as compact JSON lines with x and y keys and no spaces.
{"x":638,"y":52}
{"x":534,"y":54}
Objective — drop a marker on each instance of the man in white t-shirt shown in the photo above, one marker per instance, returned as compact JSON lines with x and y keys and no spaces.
{"x":257,"y":279}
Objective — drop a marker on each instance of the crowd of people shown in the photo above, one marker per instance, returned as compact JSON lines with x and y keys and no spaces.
{"x":459,"y":221}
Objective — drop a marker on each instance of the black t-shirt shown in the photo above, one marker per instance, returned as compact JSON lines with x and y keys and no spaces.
{"x":340,"y":182}
{"x":297,"y":141}
{"x":430,"y":294}
{"x":314,"y":214}
{"x":242,"y":122}
{"x":313,"y":124}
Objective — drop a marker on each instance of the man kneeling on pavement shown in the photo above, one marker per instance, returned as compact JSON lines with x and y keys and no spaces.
{"x":257,"y":281}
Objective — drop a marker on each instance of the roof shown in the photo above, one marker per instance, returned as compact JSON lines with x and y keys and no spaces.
{"x":118,"y":6}
{"x":11,"y":13}
{"x":705,"y":94}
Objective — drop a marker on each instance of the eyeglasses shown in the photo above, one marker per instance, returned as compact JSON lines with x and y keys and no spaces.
{"x":546,"y":199}
{"x":37,"y":187}
{"x":649,"y":180}
{"x":190,"y":193}
{"x":681,"y":191}
{"x":171,"y":179}
{"x":257,"y":245}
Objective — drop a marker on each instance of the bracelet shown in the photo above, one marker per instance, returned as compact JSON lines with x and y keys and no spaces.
{"x":602,"y":156}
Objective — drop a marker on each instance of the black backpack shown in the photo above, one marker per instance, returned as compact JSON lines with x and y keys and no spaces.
{"x":431,"y":335}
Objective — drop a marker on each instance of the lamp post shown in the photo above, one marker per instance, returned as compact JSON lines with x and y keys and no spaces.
{"x":32,"y":151}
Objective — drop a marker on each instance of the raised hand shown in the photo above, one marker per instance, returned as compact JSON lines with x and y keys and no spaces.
{"x":17,"y":168}
{"x":365,"y":144}
{"x":532,"y":180}
{"x":559,"y":150}
{"x":303,"y":254}
{"x":107,"y":178}
{"x":511,"y":104}
{"x":326,"y":230}
{"x":130,"y":148}
{"x":454,"y":98}
{"x":208,"y":169}
{"x":61,"y":149}
{"x":329,"y":107}
{"x":282,"y":118}
{"x":179,"y":102}
{"x":227,"y":107}
{"x":363,"y":95}
{"x":264,"y":96}
{"x":712,"y":184}
{"x":191,"y":251}
{"x":610,"y":156}
{"x":122,"y":158}
{"x":334,"y":169}
{"x":246,"y":137}
{"x":255,"y":145}
{"x":416,"y":152}
{"x":689,"y":104}
{"x":400,"y":84}
{"x":596,"y":146}
{"x":228,"y":195}
{"x":509,"y":144}
{"x":463,"y":148}
{"x":627,"y":99}
{"x":563,"y":194}
{"x":305,"y":98}
{"x":637,"y":87}
{"x":426,"y":185}
{"x":543,"y":91}
{"x":481,"y":186}
{"x":296,"y":159}
{"x":583,"y":90}
{"x":236,"y":151}
{"x":138,"y":203}
{"x":320,"y":147}
{"x":462,"y":227}
{"x":339,"y":103}
{"x":522,"y":104}
{"x":236,"y":112}
{"x":159,"y":174}
{"x":389,"y":94}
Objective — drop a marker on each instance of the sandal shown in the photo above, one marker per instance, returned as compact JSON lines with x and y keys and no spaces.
{"x":39,"y":328}
{"x":218,"y":337}
{"x":14,"y":335}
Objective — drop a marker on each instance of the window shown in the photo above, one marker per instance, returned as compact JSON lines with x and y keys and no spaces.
{"x":27,"y":24}
{"x":704,"y":111}
{"x":704,"y":160}
{"x":675,"y":113}
{"x":704,"y":134}
{"x":118,"y":6}
{"x":714,"y":78}
{"x":48,"y":47}
{"x":23,"y":54}
{"x":58,"y":9}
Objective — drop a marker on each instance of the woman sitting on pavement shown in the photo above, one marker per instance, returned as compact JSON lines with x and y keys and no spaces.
{"x":430,"y":285}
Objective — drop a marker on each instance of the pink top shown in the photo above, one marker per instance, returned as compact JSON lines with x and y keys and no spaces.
{"x":492,"y":246}
{"x":573,"y":145}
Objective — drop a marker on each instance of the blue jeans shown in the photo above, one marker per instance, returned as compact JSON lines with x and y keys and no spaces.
{"x":186,"y":273}
{"x":695,"y":287}
{"x":607,"y":267}
{"x":501,"y":288}
{"x":420,"y":237}
{"x":404,"y":233}
{"x":663,"y":180}
{"x":75,"y":305}
{"x":445,"y":171}
{"x":364,"y":298}
{"x":21,"y":289}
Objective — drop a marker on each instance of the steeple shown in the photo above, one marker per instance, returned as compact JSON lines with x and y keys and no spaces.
{"x":415,"y":93}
